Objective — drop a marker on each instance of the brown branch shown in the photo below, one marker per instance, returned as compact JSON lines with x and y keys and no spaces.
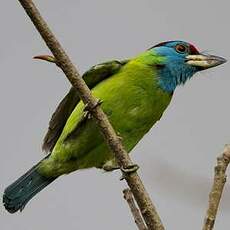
{"x":217,"y":188}
{"x":142,"y":198}
{"x":128,"y":196}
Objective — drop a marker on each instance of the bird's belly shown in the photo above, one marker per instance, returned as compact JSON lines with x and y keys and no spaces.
{"x":130,"y":128}
{"x":131,"y":121}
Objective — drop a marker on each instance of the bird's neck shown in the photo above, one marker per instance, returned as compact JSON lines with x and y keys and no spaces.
{"x":170,"y":72}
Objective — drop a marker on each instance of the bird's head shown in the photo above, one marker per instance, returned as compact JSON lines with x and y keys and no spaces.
{"x":180,"y":61}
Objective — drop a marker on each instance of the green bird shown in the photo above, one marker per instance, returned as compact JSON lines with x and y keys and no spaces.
{"x":135,"y":93}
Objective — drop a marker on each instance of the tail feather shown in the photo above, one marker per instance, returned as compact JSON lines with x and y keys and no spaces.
{"x":17,"y":195}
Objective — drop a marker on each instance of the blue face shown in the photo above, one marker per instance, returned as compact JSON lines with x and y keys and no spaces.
{"x":175,"y":70}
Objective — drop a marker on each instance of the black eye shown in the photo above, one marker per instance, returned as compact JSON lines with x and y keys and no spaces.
{"x":181,"y":48}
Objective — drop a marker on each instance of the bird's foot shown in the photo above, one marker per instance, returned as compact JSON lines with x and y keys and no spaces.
{"x":129,"y":170}
{"x":87,"y":108}
{"x":86,"y":115}
{"x":112,"y":166}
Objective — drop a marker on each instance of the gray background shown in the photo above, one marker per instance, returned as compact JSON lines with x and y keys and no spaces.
{"x":176,"y":157}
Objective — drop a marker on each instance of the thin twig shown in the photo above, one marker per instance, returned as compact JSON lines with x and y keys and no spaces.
{"x":142,"y":198}
{"x":128,"y":196}
{"x":217,"y":188}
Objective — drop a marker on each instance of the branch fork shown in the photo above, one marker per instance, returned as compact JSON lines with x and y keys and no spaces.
{"x":215,"y":195}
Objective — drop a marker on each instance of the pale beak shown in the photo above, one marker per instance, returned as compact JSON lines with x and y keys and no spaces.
{"x":204,"y":61}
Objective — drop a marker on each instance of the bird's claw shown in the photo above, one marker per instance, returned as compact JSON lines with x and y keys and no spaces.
{"x":87,"y":115}
{"x":129,"y":170}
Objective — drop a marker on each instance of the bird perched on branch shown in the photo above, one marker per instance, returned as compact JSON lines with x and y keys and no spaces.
{"x":134,"y":95}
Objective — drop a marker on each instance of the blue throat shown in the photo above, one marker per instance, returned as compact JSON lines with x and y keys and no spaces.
{"x":174,"y":70}
{"x":171,"y":75}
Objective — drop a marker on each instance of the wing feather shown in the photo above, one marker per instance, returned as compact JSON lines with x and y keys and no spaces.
{"x":58,"y":120}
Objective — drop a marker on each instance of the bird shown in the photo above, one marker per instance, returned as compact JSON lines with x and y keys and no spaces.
{"x":134,"y":93}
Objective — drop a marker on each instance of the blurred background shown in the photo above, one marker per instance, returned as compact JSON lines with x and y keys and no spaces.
{"x":176,"y":157}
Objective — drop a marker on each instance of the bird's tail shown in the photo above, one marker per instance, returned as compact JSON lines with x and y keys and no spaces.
{"x":17,"y":195}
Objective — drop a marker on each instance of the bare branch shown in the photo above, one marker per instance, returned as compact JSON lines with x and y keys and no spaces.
{"x":128,"y":196}
{"x":217,"y":188}
{"x":144,"y":202}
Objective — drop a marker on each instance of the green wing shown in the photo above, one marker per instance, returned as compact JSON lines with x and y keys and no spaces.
{"x":58,"y":120}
